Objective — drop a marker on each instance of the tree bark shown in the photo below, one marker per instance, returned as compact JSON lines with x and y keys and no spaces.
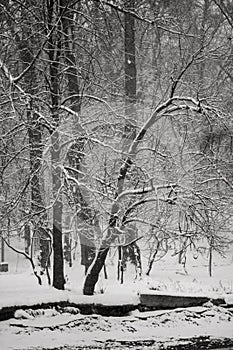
{"x":35,"y":132}
{"x":128,"y":136}
{"x":76,"y":152}
{"x":92,"y":275}
{"x":130,"y":77}
{"x":54,"y":52}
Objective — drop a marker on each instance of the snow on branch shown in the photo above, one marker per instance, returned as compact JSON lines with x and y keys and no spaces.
{"x":175,"y":103}
{"x":91,"y":97}
{"x":144,"y":190}
{"x":8,"y":75}
{"x":15,"y":80}
{"x":146,"y":20}
{"x":80,"y":184}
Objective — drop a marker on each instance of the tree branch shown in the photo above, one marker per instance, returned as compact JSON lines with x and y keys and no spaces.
{"x":27,"y":256}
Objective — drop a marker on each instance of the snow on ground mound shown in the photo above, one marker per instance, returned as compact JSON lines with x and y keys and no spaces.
{"x":80,"y":330}
{"x":64,"y":328}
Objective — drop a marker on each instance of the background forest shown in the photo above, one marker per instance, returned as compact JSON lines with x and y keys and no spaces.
{"x":116,"y":131}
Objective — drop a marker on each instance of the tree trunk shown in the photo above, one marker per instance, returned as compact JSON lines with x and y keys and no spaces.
{"x":37,"y":210}
{"x":25,"y":41}
{"x":94,"y":271}
{"x":130,"y":78}
{"x":211,"y":243}
{"x":128,"y":136}
{"x":2,"y":250}
{"x":58,"y":263}
{"x":54,"y":52}
{"x":152,"y":259}
{"x":76,"y":153}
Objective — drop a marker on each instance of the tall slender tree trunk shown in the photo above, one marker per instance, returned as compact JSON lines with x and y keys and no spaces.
{"x":130,"y":78}
{"x":2,"y":250}
{"x":54,"y":52}
{"x":76,"y":153}
{"x":67,"y":22}
{"x":35,"y":134}
{"x":130,"y":99}
{"x":58,"y":261}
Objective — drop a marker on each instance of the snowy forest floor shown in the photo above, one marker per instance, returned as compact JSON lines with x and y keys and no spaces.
{"x":201,"y":327}
{"x":190,"y":328}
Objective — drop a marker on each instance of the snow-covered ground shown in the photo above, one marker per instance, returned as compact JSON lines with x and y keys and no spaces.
{"x":19,"y":287}
{"x":87,"y":331}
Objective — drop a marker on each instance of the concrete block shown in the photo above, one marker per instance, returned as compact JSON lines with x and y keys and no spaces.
{"x":3,"y":267}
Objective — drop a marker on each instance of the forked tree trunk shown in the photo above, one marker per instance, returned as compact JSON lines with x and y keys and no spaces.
{"x":128,"y":136}
{"x":92,"y":275}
